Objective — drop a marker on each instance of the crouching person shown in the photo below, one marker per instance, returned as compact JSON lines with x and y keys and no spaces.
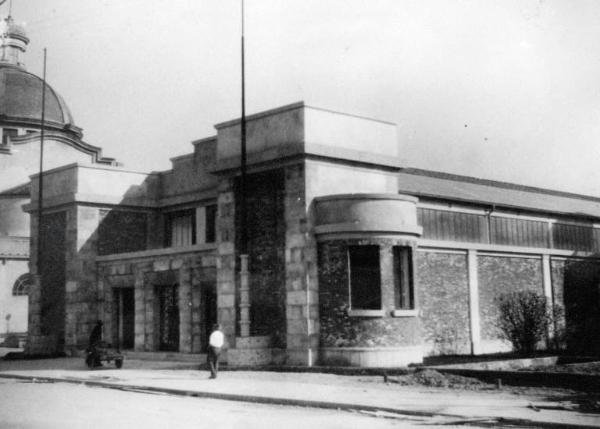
{"x":94,"y":343}
{"x":215,"y":344}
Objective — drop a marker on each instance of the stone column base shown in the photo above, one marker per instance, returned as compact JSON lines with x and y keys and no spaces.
{"x":250,"y":351}
{"x":371,"y":357}
{"x":302,"y":357}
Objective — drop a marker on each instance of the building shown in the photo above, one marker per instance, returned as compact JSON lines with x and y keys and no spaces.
{"x":20,"y":128}
{"x":353,"y":258}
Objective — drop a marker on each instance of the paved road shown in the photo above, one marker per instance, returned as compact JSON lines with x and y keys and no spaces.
{"x":26,"y":405}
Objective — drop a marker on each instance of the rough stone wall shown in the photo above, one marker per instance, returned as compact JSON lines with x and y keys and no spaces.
{"x":46,"y":326}
{"x":121,"y":231}
{"x":576,"y":289}
{"x":337,"y":328}
{"x":443,"y":291}
{"x":266,"y":243}
{"x":499,"y":275}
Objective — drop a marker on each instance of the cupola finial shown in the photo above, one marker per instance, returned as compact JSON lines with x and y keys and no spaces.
{"x":13,"y":40}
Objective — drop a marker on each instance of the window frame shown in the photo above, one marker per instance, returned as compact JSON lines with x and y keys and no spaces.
{"x":353,"y":307}
{"x":404,"y":281}
{"x":22,"y":285}
{"x":179,"y":214}
{"x":210,"y":223}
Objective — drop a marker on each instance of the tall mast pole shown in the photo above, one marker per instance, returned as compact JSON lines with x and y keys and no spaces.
{"x":244,"y":273}
{"x":243,"y":205}
{"x":41,"y":177}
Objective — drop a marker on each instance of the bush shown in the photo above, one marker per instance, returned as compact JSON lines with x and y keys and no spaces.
{"x":524,"y":318}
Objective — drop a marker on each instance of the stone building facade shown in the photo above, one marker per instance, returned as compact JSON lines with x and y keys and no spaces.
{"x":20,"y":132}
{"x":353,"y":259}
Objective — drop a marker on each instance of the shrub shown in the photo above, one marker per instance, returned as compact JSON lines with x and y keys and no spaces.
{"x":524,"y":318}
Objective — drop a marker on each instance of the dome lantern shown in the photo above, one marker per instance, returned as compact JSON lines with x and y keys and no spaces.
{"x":13,"y":42}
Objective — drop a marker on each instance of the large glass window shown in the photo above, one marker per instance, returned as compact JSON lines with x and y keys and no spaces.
{"x":181,"y":228}
{"x":403,"y":278}
{"x":365,"y":278}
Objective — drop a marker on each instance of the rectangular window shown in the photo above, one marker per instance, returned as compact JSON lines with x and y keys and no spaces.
{"x":365,"y":278}
{"x":403,"y":279}
{"x":211,"y":223}
{"x":181,"y":228}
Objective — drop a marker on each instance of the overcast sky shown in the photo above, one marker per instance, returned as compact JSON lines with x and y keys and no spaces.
{"x":505,"y":90}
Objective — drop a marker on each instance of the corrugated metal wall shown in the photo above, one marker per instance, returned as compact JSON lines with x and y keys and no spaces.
{"x":479,"y":228}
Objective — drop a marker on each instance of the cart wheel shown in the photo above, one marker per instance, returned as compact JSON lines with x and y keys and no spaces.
{"x":89,"y":361}
{"x":119,"y":363}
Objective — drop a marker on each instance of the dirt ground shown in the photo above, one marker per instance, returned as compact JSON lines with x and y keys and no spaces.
{"x":575,"y":368}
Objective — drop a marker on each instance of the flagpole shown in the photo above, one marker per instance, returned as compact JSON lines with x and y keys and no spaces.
{"x":243,"y":205}
{"x":244,"y":271}
{"x":41,"y":177}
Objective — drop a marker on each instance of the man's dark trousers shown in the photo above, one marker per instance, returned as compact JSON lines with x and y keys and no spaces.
{"x":213,"y":360}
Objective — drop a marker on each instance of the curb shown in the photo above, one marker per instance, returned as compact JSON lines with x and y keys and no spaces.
{"x":268,"y":400}
{"x":564,"y":380}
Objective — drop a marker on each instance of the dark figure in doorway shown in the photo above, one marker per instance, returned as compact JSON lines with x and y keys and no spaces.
{"x":215,"y":343}
{"x":95,"y":339}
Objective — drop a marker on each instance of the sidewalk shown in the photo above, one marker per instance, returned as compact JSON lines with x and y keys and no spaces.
{"x":367,"y":393}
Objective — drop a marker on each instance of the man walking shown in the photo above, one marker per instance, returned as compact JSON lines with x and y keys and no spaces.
{"x":215,"y":343}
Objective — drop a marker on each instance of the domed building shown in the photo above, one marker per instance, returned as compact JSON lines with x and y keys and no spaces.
{"x":20,"y":129}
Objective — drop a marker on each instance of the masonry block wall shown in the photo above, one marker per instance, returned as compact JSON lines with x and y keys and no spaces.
{"x":338,"y":329}
{"x":443,"y":289}
{"x":82,"y":299}
{"x":301,"y":275}
{"x":226,"y":261}
{"x":192,"y":273}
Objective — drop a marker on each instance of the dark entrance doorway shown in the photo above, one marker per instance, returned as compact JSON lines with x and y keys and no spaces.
{"x":124,"y":304}
{"x":209,"y":309}
{"x":168,"y":325}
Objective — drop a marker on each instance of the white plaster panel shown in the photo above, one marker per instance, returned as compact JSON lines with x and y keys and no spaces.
{"x":13,"y":222}
{"x":115,"y":182}
{"x":24,"y":160}
{"x":366,"y":212}
{"x":328,"y":179}
{"x":57,"y":182}
{"x":349,"y":132}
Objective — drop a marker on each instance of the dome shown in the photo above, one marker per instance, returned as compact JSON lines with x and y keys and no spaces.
{"x":15,"y":30}
{"x":21,"y":99}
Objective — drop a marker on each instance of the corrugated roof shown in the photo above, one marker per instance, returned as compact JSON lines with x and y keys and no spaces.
{"x":479,"y":191}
